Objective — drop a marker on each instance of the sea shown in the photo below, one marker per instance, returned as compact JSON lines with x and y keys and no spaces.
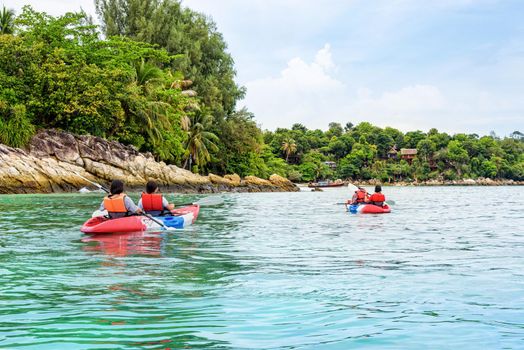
{"x":443,"y":270}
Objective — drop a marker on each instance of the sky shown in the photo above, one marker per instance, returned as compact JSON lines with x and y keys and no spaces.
{"x":455,"y":65}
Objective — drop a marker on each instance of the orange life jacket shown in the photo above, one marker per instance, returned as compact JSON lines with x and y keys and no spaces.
{"x":115,"y":204}
{"x":377,"y":198}
{"x":361,"y":196}
{"x":152,"y":201}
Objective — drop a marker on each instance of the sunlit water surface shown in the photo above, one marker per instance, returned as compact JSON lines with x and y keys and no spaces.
{"x":444,"y":270}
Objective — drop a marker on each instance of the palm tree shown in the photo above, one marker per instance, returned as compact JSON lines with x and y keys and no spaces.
{"x":148,"y":76}
{"x":151,"y":113}
{"x":289,"y":147}
{"x":200,"y":141}
{"x":7,"y":18}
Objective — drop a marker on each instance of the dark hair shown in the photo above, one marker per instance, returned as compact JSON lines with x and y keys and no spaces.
{"x":151,"y":186}
{"x":117,"y":187}
{"x":378,"y":188}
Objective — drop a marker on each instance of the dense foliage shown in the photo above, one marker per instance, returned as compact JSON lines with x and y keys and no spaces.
{"x":203,"y":57}
{"x":59,"y":73}
{"x":368,"y":152}
{"x":56,"y":72}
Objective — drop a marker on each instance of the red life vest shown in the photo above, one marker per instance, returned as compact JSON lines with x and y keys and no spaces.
{"x":152,"y":201}
{"x":377,"y":198}
{"x":361,"y":196}
{"x":115,"y":204}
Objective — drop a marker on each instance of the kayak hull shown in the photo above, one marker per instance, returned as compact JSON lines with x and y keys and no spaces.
{"x":368,"y":209}
{"x":181,"y":218}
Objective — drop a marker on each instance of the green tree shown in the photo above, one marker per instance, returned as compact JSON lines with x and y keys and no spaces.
{"x":488,"y":169}
{"x":457,"y":156}
{"x":241,"y":146}
{"x":348,"y":127}
{"x":412,"y":138}
{"x":66,"y":77}
{"x":289,"y":147}
{"x":335,"y":129}
{"x":313,"y":168}
{"x":7,"y":18}
{"x":200,"y":142}
{"x":15,"y":128}
{"x":384,"y":143}
{"x":204,"y":58}
{"x":425,"y":149}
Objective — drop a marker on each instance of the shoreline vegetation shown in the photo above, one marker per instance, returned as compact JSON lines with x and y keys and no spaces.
{"x":166,"y":94}
{"x":429,"y":183}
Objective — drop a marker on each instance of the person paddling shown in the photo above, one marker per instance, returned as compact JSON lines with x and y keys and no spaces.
{"x":377,"y":198}
{"x":153,"y":202}
{"x":117,"y":203}
{"x":360,"y":196}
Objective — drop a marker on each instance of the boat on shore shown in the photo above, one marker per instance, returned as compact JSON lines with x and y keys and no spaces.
{"x":325,"y":184}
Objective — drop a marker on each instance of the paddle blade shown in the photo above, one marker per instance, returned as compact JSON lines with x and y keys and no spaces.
{"x":352,"y":188}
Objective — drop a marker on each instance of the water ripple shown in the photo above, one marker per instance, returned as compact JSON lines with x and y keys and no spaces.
{"x":268,"y":271}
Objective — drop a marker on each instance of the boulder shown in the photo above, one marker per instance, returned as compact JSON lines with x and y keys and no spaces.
{"x":283,"y":183}
{"x":253,"y":180}
{"x":220,"y":180}
{"x":234,"y":178}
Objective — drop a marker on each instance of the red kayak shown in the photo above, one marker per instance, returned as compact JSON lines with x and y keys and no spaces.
{"x":368,"y":209}
{"x":181,"y":218}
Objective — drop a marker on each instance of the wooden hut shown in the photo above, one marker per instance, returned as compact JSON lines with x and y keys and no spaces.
{"x":392,"y":153}
{"x":408,"y":153}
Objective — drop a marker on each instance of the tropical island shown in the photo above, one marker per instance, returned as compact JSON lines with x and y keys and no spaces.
{"x":157,"y":83}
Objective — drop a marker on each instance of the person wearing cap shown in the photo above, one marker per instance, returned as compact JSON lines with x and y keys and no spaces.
{"x":360,"y":196}
{"x":377,"y":198}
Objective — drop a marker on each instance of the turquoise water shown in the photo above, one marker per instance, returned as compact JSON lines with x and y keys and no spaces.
{"x":270,"y":270}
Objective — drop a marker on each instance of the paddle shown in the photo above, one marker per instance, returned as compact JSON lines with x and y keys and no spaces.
{"x":352,"y":188}
{"x":100,"y":187}
{"x":144,"y":214}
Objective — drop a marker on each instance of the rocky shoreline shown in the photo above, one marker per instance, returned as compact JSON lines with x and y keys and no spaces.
{"x":54,"y":158}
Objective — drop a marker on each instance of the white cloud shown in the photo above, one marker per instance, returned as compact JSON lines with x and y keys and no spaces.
{"x":308,"y":93}
{"x":311,"y":94}
{"x":301,"y":93}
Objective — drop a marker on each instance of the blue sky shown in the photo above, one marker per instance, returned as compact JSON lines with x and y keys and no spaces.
{"x":454,"y":65}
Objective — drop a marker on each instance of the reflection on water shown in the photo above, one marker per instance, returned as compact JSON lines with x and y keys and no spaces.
{"x":123,"y":244}
{"x":269,"y":270}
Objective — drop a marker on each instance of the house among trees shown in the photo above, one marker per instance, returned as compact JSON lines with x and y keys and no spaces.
{"x":408,"y":153}
{"x":392,"y":153}
{"x":330,"y":164}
